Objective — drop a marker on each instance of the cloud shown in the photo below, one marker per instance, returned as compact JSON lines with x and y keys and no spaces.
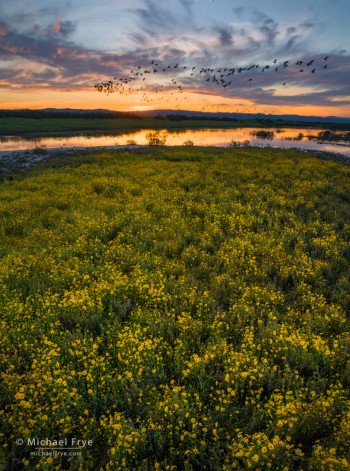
{"x":60,"y":29}
{"x":307,"y":24}
{"x":225,"y":36}
{"x":66,"y":28}
{"x":4,"y":28}
{"x":326,"y":87}
{"x":174,"y":20}
{"x":47,"y":56}
{"x":153,"y":18}
{"x":266,"y":26}
{"x":138,"y":38}
{"x":187,"y":5}
{"x":239,"y":10}
{"x":269,"y":30}
{"x":291,"y":42}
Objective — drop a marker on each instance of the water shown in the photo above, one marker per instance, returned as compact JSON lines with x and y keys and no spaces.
{"x":201,"y":137}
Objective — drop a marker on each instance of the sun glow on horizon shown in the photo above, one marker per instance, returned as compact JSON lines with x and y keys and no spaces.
{"x":196,"y":101}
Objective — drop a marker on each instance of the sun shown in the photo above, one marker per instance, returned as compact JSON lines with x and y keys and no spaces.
{"x":141,"y":108}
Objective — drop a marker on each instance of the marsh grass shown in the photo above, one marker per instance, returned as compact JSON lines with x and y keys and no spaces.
{"x":264,"y":134}
{"x":48,"y":124}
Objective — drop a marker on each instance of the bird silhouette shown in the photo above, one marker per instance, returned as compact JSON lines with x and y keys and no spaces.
{"x":129,"y":83}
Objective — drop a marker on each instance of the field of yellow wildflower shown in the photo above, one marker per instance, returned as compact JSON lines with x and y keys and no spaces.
{"x":178,"y":308}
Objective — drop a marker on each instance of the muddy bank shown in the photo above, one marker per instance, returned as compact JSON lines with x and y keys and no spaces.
{"x":21,"y":159}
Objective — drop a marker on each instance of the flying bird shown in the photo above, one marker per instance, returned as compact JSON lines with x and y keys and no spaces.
{"x":191,"y":72}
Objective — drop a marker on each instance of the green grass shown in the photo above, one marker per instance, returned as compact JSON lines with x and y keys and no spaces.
{"x":52,"y":126}
{"x":17,"y":125}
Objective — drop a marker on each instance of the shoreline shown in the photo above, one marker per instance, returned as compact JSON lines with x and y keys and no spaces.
{"x":11,"y":160}
{"x":166,"y":124}
{"x":25,"y":158}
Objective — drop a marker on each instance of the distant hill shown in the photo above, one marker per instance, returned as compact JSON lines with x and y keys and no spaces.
{"x":172,"y":114}
{"x":284,"y":117}
{"x":153,"y":113}
{"x":78,"y":110}
{"x":69,"y":113}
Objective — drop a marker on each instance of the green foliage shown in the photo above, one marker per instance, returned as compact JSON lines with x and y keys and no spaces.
{"x":333,"y":136}
{"x":37,"y":122}
{"x":156,"y":138}
{"x":188,"y":143}
{"x":264,"y":134}
{"x":183,"y":308}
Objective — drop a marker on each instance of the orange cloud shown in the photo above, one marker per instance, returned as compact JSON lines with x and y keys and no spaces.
{"x":111,"y":63}
{"x":57,"y":27}
{"x":13,"y":49}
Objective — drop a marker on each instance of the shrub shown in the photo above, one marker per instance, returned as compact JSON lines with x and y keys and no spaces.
{"x":39,"y":150}
{"x":188,"y":143}
{"x":156,"y":138}
{"x":131,"y":142}
{"x":233,"y":143}
{"x":263,"y":134}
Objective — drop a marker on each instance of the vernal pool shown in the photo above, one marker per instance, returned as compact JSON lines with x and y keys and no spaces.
{"x":287,"y":137}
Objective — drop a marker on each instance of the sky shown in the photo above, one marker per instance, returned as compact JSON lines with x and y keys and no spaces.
{"x":53,"y":53}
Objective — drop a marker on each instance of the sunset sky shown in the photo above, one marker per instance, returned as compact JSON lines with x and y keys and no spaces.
{"x":52,"y":53}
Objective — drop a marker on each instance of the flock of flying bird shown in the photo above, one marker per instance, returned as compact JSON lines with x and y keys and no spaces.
{"x":140,"y":77}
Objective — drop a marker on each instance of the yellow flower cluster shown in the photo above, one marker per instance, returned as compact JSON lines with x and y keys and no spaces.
{"x":182,"y":308}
